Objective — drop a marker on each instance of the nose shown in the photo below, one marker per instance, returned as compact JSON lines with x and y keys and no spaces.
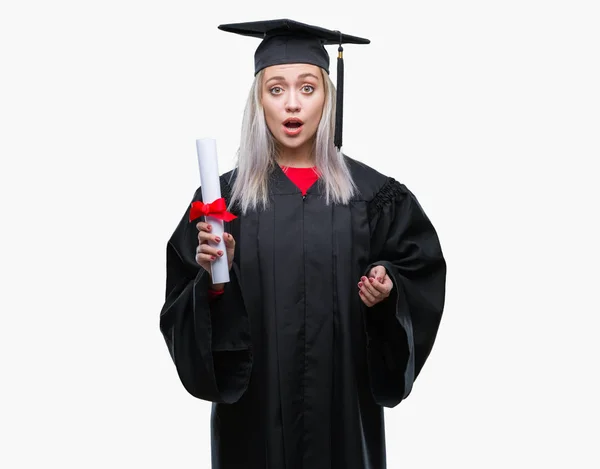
{"x":293,"y":103}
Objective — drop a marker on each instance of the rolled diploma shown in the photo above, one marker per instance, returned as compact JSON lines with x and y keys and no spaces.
{"x":211,"y":191}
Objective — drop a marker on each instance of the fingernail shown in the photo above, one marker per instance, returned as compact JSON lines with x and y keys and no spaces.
{"x":217,"y":239}
{"x":220,"y":253}
{"x":372,"y":279}
{"x":360,"y":284}
{"x":209,"y":227}
{"x":212,"y":258}
{"x":379,"y":279}
{"x":363,"y":278}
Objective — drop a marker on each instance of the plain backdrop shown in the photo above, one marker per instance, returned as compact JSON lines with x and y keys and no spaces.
{"x":487,"y":111}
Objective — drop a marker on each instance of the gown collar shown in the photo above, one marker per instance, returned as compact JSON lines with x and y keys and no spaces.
{"x":280,"y":184}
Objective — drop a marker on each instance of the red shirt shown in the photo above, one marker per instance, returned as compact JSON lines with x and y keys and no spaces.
{"x":302,"y":177}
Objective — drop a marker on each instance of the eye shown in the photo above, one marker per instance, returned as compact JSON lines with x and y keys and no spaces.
{"x":308,"y":89}
{"x":276,"y":90}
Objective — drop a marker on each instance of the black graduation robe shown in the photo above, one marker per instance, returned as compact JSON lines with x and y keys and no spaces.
{"x":298,"y":368}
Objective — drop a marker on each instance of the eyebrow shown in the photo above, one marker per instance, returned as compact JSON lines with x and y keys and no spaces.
{"x":303,"y":75}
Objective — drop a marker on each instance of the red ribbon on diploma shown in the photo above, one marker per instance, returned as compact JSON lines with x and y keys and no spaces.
{"x":216,"y":209}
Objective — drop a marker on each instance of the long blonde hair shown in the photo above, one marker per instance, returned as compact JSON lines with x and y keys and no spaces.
{"x":258,"y":151}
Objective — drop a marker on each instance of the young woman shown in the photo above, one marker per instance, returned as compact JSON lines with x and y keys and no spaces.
{"x":337,"y":280}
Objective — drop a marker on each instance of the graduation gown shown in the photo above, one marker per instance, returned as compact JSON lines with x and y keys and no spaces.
{"x":298,"y":368}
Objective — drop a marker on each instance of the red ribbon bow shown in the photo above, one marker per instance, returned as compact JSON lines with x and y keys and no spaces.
{"x":216,"y":209}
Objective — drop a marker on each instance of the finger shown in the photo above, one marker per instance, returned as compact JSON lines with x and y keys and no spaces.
{"x":364,"y":299}
{"x":202,"y":258}
{"x":380,"y":286}
{"x":367,"y":293}
{"x":203,"y":226}
{"x":204,"y":237}
{"x":207,"y":249}
{"x":368,"y":284}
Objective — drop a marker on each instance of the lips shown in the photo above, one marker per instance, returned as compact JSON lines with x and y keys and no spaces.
{"x":292,"y":126}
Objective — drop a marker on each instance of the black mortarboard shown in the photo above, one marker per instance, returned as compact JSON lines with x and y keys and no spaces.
{"x":285,"y":41}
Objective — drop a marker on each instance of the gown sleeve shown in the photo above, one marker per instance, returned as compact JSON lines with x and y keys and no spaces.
{"x":209,"y":340}
{"x":401,"y":329}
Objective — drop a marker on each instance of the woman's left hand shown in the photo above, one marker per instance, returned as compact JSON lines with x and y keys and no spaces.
{"x":376,"y":287}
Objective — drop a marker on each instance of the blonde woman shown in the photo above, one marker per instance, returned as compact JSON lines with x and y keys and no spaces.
{"x":337,"y":279}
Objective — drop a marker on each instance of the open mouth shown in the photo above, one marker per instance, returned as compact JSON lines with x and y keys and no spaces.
{"x":292,"y":126}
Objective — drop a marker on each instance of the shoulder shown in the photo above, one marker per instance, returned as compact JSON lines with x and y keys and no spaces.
{"x":373,"y":186}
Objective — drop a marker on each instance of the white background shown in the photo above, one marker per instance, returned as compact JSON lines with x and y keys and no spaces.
{"x":488,"y":111}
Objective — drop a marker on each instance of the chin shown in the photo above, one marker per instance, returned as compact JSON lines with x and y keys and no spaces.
{"x":292,"y":142}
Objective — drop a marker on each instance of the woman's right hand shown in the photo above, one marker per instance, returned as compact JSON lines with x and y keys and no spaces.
{"x":205,"y":253}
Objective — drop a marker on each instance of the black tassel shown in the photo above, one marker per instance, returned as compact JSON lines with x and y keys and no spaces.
{"x":339,"y":109}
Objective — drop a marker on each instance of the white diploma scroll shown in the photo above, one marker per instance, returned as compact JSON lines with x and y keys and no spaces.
{"x":211,"y":191}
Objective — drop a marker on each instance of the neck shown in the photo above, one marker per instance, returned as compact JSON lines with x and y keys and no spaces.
{"x":296,"y":157}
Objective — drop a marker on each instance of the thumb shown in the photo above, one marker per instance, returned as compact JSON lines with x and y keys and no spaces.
{"x":229,"y":242}
{"x":378,"y":272}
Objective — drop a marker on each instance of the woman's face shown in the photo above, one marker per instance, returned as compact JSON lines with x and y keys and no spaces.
{"x":293,"y":96}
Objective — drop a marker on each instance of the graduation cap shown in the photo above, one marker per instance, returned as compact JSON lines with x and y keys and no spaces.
{"x":286,"y":41}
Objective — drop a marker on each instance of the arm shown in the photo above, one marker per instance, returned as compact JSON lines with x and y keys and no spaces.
{"x":402,"y":328}
{"x":209,"y":341}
